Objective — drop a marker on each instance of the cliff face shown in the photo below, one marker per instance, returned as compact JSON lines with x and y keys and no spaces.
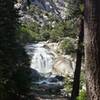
{"x":57,"y":7}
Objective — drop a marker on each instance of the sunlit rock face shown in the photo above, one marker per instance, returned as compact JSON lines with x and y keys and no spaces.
{"x":52,"y":46}
{"x":63,"y":67}
{"x":57,"y":7}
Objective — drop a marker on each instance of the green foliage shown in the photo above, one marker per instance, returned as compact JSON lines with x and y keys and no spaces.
{"x":68,"y":46}
{"x":61,"y":30}
{"x":75,"y":8}
{"x":83,"y":81}
{"x":32,"y":32}
{"x":45,"y":36}
{"x":27,"y":34}
{"x":55,"y":35}
{"x":69,"y":83}
{"x":82,"y":95}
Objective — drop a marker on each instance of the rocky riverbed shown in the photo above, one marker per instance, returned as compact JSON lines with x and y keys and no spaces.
{"x":48,"y":72}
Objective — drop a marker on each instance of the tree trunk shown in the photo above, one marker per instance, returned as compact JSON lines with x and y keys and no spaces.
{"x":76,"y":83}
{"x":92,"y":48}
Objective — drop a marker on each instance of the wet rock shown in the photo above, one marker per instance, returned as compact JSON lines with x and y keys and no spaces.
{"x":60,"y":78}
{"x":35,"y":75}
{"x":53,"y":79}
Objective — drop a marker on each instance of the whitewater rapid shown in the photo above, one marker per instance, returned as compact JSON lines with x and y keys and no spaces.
{"x":42,"y":58}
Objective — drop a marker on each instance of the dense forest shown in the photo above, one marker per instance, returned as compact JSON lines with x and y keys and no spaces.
{"x":49,"y":50}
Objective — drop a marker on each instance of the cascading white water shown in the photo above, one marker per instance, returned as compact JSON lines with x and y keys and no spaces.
{"x":42,"y":58}
{"x":47,"y":62}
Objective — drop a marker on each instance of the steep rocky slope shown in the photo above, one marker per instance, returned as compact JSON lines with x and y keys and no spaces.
{"x":56,"y":7}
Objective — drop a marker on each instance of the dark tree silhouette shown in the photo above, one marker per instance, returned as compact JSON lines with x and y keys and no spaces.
{"x":76,"y":83}
{"x":14,"y":63}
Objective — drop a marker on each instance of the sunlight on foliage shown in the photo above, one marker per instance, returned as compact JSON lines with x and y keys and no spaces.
{"x":82,"y":95}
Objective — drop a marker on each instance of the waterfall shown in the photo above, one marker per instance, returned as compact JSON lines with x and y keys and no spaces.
{"x":42,"y":58}
{"x":45,"y":61}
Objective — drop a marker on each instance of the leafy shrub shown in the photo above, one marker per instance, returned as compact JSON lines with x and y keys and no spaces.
{"x":67,"y":46}
{"x":82,"y":95}
{"x":68,"y":84}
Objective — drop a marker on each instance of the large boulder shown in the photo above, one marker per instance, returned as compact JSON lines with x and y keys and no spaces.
{"x":60,"y":78}
{"x":63,"y":67}
{"x":35,"y":75}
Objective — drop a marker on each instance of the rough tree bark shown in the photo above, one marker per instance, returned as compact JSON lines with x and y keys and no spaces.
{"x":76,"y":83}
{"x":92,"y":48}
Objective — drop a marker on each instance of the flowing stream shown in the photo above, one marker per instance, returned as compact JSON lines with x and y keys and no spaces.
{"x":42,"y":58}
